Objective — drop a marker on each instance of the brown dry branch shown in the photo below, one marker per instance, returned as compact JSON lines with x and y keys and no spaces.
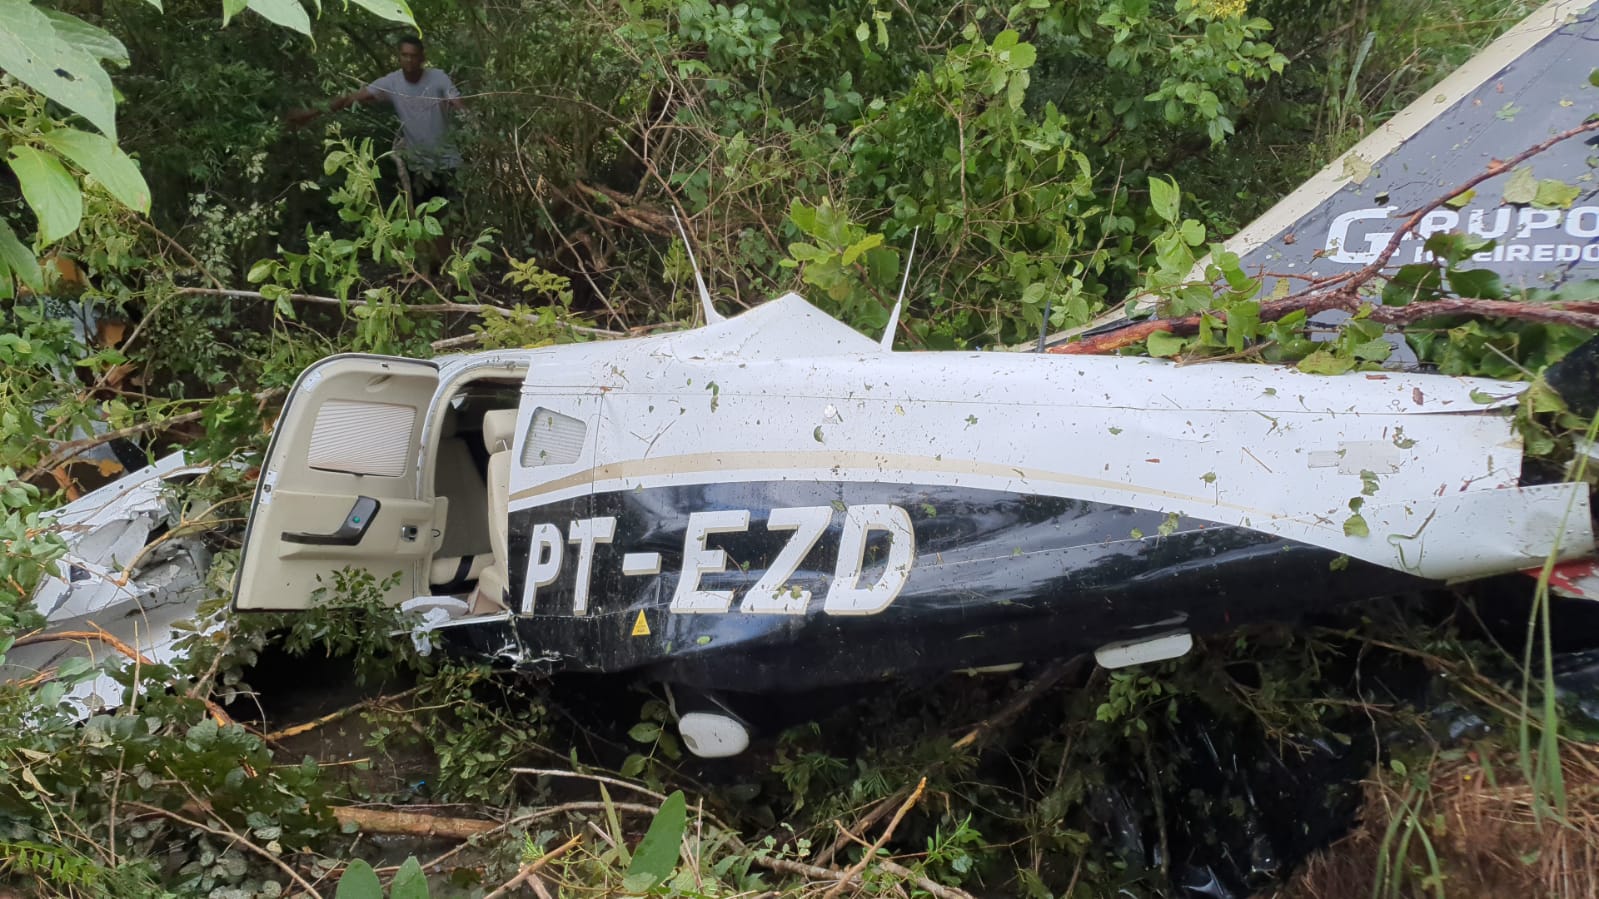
{"x":65,"y":452}
{"x":411,"y":824}
{"x":234,"y":837}
{"x":99,"y":634}
{"x":1342,"y":292}
{"x":1038,"y":686}
{"x":479,"y":309}
{"x":333,"y":716}
{"x":871,"y":851}
{"x":532,"y":868}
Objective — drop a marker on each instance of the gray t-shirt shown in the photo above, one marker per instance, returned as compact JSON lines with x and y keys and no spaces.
{"x":424,"y":117}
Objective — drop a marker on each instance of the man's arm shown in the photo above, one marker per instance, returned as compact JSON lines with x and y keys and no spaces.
{"x":452,"y":97}
{"x":302,"y":117}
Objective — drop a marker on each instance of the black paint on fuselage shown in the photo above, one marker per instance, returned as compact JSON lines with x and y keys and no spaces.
{"x":997,"y":577}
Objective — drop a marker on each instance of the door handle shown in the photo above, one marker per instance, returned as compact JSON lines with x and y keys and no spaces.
{"x":355,"y":525}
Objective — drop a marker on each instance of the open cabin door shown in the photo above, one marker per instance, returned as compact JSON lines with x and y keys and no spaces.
{"x":340,"y":487}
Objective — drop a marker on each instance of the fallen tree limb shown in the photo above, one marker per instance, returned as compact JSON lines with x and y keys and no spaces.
{"x":855,"y":870}
{"x":100,"y":635}
{"x":331,"y":717}
{"x":1341,"y":292}
{"x":1038,"y":686}
{"x":233,"y":837}
{"x":65,"y":452}
{"x":412,"y":824}
{"x":1343,"y":299}
{"x":462,"y":308}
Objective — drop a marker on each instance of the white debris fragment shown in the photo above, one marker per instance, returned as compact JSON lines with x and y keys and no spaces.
{"x":120,"y":575}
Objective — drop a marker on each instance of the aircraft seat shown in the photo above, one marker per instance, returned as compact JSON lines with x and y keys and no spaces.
{"x":465,"y":549}
{"x":499,"y":433}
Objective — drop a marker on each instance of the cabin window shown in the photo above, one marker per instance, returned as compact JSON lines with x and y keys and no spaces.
{"x":356,"y":437}
{"x":553,"y":439}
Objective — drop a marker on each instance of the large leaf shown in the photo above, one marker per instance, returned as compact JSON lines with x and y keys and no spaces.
{"x":51,"y":192}
{"x":288,"y":13}
{"x":1480,"y":283}
{"x":103,"y":159}
{"x":656,"y":855}
{"x":1522,"y":188}
{"x":17,"y":259}
{"x":32,"y":52}
{"x":96,"y":42}
{"x":1163,"y":196}
{"x":409,"y":882}
{"x":393,"y":10}
{"x":359,"y":881}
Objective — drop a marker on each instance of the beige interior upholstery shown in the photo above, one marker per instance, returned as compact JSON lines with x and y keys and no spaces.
{"x":466,"y":521}
{"x":499,"y":433}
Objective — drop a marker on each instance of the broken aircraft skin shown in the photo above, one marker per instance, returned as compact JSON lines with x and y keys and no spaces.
{"x":775,"y":502}
{"x":124,"y":574}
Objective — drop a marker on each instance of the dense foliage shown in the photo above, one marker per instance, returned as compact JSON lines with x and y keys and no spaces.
{"x":172,"y":254}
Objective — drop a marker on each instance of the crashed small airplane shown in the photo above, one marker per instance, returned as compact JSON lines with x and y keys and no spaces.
{"x":775,"y":502}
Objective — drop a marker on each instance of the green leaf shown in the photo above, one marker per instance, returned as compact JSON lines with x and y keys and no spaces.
{"x":97,"y":42}
{"x":1193,"y":232}
{"x":359,"y":881}
{"x":860,"y":246}
{"x":1022,"y":56}
{"x":645,"y":732}
{"x":1355,"y":526}
{"x":393,"y":10}
{"x":1593,"y":77}
{"x":18,"y":259}
{"x":1164,"y":344}
{"x":231,"y":8}
{"x":409,"y":882}
{"x":1453,"y":247}
{"x":102,"y":158}
{"x":1323,"y":362}
{"x":1461,"y":199}
{"x":1418,"y":281}
{"x":51,"y":192}
{"x":1555,"y":194}
{"x":1522,"y":188}
{"x":288,"y":13}
{"x":656,"y":855}
{"x":1477,"y":283}
{"x":74,"y":667}
{"x":32,"y":52}
{"x":1164,"y":198}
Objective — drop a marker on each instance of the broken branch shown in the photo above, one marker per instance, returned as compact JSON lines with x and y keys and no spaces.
{"x":533,"y":867}
{"x":412,"y":824}
{"x":855,"y":870}
{"x":231,"y":836}
{"x":1341,"y":292}
{"x":99,"y":634}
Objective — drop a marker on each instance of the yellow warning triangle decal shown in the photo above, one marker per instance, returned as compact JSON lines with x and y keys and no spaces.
{"x":641,"y":628}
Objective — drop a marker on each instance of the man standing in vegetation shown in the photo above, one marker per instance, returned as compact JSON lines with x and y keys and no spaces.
{"x":423,"y":98}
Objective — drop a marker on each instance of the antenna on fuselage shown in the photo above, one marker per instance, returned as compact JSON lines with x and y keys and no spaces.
{"x":899,"y":301}
{"x":711,"y":315}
